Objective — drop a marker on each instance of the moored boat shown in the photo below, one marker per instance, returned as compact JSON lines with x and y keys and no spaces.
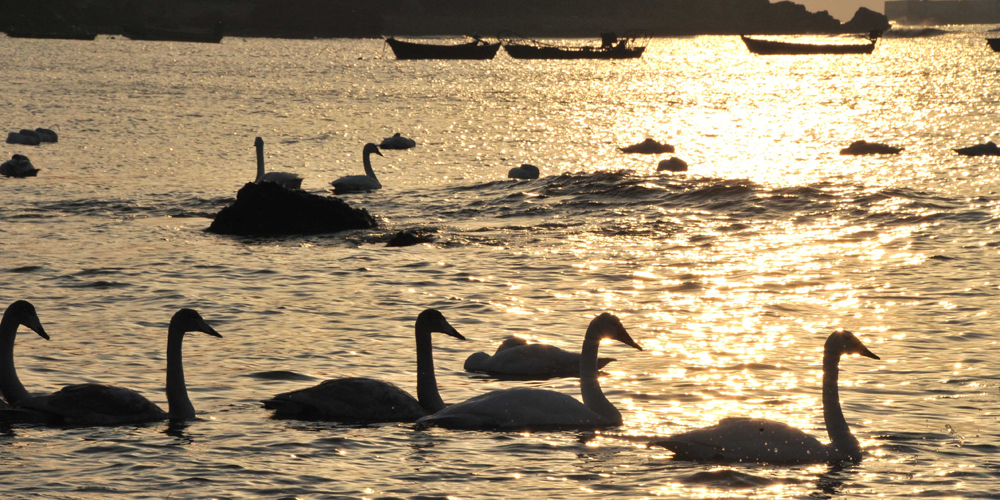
{"x":773,"y":47}
{"x":631,"y":45}
{"x":476,"y":49}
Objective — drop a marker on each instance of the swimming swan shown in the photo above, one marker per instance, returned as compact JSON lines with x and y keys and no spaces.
{"x":525,"y":171}
{"x":286,"y":179}
{"x":357,"y":183}
{"x":528,"y":408}
{"x":97,"y":404}
{"x":517,"y":358}
{"x":18,"y":313}
{"x":759,"y":440}
{"x":358,"y":399}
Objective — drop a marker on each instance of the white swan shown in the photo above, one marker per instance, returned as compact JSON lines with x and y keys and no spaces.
{"x":528,"y":408}
{"x":356,"y":183}
{"x":97,"y":404}
{"x":525,"y":171}
{"x":286,"y":179}
{"x":358,"y":399}
{"x":19,"y":313}
{"x":517,"y":358}
{"x":759,"y":440}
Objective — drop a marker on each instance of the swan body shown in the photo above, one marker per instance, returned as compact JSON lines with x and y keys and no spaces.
{"x":286,"y":179}
{"x":674,"y":164}
{"x":18,"y":166}
{"x":98,"y":404}
{"x":397,"y":142}
{"x":525,"y":171}
{"x":365,"y":400}
{"x":528,"y":408}
{"x":517,"y":358}
{"x":648,"y":146}
{"x":988,"y":149}
{"x":358,"y":183}
{"x":47,"y":135}
{"x":766,"y":441}
{"x":864,"y":147}
{"x":20,"y":313}
{"x":23,"y":139}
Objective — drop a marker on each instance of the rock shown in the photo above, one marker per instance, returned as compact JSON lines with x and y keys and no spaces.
{"x":988,"y":149}
{"x":18,"y":138}
{"x":863,"y":147}
{"x":648,"y":146}
{"x":865,"y":21}
{"x":47,"y":135}
{"x":397,"y":142}
{"x":525,"y":171}
{"x":410,"y":237}
{"x":674,"y":164}
{"x":18,"y":166}
{"x":268,"y":209}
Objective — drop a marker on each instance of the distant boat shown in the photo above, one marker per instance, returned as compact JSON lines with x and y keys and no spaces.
{"x":629,"y":46}
{"x":772,"y":47}
{"x":173,"y":35}
{"x":994,"y":44}
{"x":476,"y":49}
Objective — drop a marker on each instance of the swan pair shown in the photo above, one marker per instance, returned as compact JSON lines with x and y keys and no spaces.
{"x":346,"y":184}
{"x":93,"y":404}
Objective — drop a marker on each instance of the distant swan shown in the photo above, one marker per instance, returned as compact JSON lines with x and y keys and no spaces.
{"x":97,"y":404}
{"x":18,"y":166}
{"x":397,"y":141}
{"x":528,"y":408}
{"x":759,"y":440}
{"x":525,"y":171}
{"x":357,"y":183}
{"x":517,"y":358}
{"x":287,"y":179}
{"x":18,"y":313}
{"x":357,"y":399}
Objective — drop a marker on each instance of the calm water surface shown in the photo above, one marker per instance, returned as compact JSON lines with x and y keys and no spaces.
{"x":730,"y":276}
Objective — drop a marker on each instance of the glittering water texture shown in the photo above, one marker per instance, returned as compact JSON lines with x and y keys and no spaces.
{"x":730,"y":275}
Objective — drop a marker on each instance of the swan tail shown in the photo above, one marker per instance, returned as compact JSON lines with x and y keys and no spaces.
{"x":26,"y":416}
{"x":689,"y":451}
{"x":460,"y":422}
{"x":288,"y":408}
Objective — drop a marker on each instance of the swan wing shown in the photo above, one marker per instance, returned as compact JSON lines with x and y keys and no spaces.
{"x":95,"y":404}
{"x":353,"y":399}
{"x":287,"y":179}
{"x":517,"y":409}
{"x":747,"y":440}
{"x":539,"y":360}
{"x":355,"y":183}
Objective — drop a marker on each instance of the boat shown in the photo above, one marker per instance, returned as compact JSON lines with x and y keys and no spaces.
{"x":772,"y":47}
{"x":476,"y":49}
{"x":994,"y":44}
{"x":173,"y":35}
{"x":628,"y":46}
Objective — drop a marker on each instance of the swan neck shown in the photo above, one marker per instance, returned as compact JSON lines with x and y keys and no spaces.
{"x":11,"y":387}
{"x":836,"y":425}
{"x":427,"y":389}
{"x":590,"y":385}
{"x":368,"y":165}
{"x":179,"y":405}
{"x":260,"y":162}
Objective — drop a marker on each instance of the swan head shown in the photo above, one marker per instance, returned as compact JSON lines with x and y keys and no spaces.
{"x":843,"y":342}
{"x":608,"y":326}
{"x":475,"y":361}
{"x":431,"y":320}
{"x":371,"y":148}
{"x":188,"y":320}
{"x":24,"y":314}
{"x":258,"y":143}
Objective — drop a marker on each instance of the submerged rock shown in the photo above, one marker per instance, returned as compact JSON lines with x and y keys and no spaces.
{"x":18,"y":166}
{"x":410,"y":237}
{"x":988,"y":149}
{"x":674,"y":164}
{"x":863,"y":147}
{"x":648,"y":146}
{"x":267,"y":209}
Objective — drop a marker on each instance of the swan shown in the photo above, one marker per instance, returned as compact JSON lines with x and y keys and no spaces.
{"x":356,"y":183}
{"x":758,"y":440}
{"x":517,"y":358}
{"x":397,"y":141}
{"x":18,"y":166}
{"x":286,"y":179}
{"x":648,"y":146}
{"x":97,"y":404}
{"x":19,"y":313}
{"x":525,"y":171}
{"x":529,"y":408}
{"x":365,"y":400}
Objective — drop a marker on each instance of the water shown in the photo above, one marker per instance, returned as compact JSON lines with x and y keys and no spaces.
{"x":730,"y":276}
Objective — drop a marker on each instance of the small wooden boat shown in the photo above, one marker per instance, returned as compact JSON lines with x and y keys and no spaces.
{"x":994,"y":44}
{"x":476,"y":49}
{"x":150,"y":33}
{"x":629,"y":46}
{"x":772,"y":47}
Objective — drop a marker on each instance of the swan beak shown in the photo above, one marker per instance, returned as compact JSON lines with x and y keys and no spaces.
{"x":378,"y":153}
{"x":450,"y":330}
{"x":862,"y":350}
{"x":624,"y":338}
{"x":205,"y":328}
{"x":36,"y":326}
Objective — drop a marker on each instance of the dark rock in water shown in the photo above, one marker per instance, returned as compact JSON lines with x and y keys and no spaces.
{"x":988,"y":149}
{"x":267,"y":209}
{"x":674,"y":164}
{"x":863,"y":147}
{"x":19,"y":138}
{"x":47,"y":135}
{"x":410,"y":237}
{"x":648,"y":146}
{"x":18,"y":166}
{"x":866,"y":20}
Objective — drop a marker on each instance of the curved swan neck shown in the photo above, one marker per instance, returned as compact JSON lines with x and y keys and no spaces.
{"x":590,"y":386}
{"x":836,"y":425}
{"x":427,"y":389}
{"x":178,"y":404}
{"x":11,"y":387}
{"x":260,"y":159}
{"x":368,"y":165}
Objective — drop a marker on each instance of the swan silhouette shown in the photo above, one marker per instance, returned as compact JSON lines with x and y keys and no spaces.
{"x":364,"y":400}
{"x":758,"y":440}
{"x":397,"y":141}
{"x":517,"y":358}
{"x":18,"y":166}
{"x":19,"y":313}
{"x":357,"y":183}
{"x":529,"y":408}
{"x":97,"y":404}
{"x":286,"y":179}
{"x":525,"y":171}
